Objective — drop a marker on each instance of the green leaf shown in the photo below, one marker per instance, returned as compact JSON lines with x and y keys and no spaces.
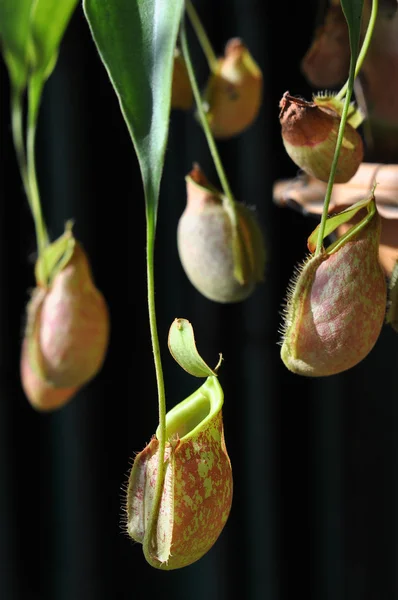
{"x":136,"y":41}
{"x":48,"y":24}
{"x":344,"y":216}
{"x":182,"y":347}
{"x":352,"y":10}
{"x":14,"y":38}
{"x":31,"y":32}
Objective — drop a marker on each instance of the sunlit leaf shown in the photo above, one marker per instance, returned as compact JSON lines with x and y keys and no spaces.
{"x":136,"y":41}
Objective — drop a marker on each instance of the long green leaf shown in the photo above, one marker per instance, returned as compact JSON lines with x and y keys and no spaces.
{"x":48,"y":24}
{"x":14,"y":38}
{"x":352,"y":10}
{"x":136,"y":40}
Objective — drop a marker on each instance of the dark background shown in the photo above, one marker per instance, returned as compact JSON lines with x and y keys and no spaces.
{"x":315,"y":461}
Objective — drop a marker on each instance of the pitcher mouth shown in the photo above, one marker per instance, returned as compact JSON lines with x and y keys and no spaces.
{"x":185,"y":419}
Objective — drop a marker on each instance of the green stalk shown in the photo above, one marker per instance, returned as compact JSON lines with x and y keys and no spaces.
{"x":161,"y":434}
{"x":355,"y":66}
{"x":202,"y":36}
{"x":18,"y":136}
{"x":228,"y":200}
{"x":150,"y":235}
{"x":35,"y":89}
{"x":340,"y":136}
{"x":364,"y":48}
{"x":203,"y":119}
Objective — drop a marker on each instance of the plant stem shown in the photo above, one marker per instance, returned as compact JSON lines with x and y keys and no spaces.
{"x":34,"y":94}
{"x":364,"y":48}
{"x":18,"y":136}
{"x":340,"y":136}
{"x":202,"y":36}
{"x":203,"y":119}
{"x":161,"y":434}
{"x":228,"y":200}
